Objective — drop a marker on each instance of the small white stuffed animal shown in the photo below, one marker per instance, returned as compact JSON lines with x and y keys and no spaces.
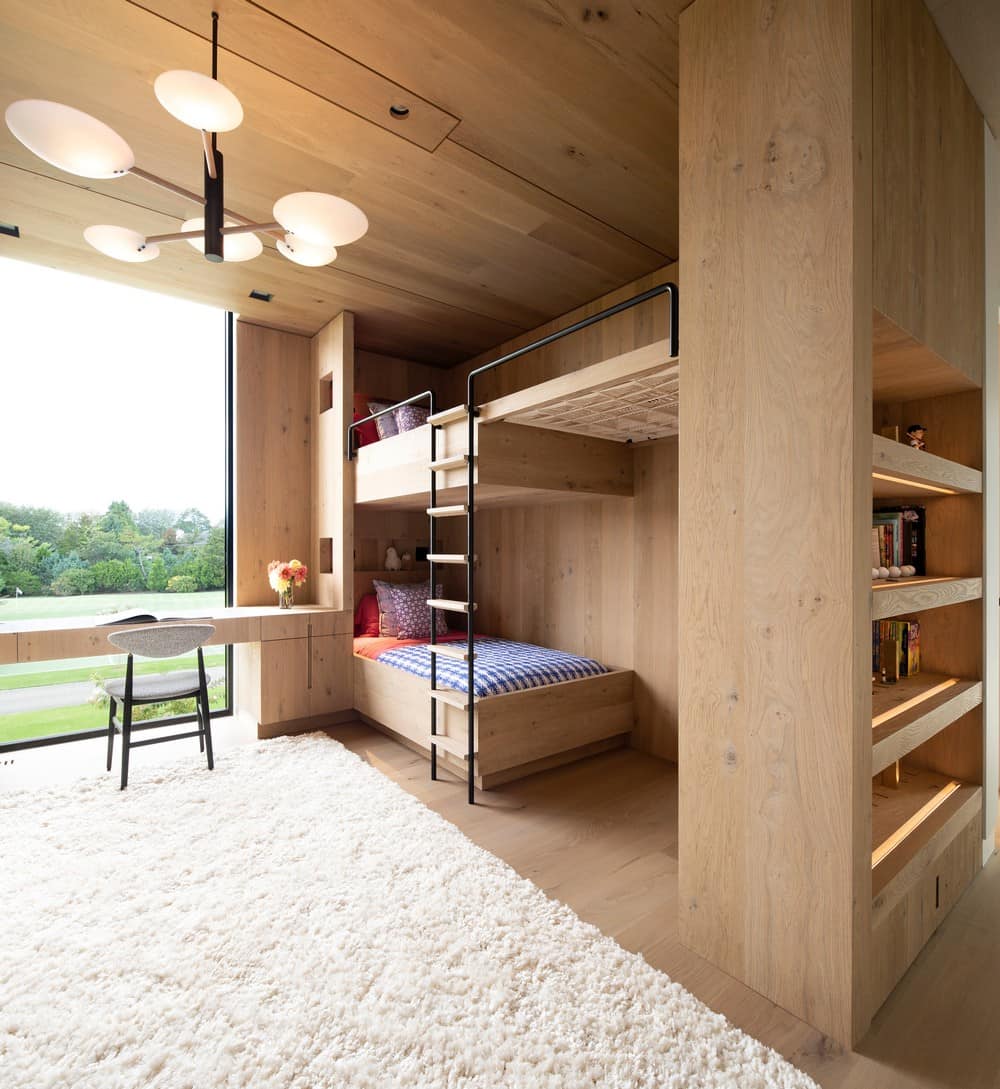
{"x":392,"y":561}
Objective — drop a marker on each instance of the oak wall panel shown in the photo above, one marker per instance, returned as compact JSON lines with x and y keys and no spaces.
{"x":273,"y":458}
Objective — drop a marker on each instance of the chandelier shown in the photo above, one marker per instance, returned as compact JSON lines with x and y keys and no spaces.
{"x":308,"y":226}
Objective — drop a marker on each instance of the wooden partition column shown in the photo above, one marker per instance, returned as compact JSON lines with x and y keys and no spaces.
{"x":301,"y":677}
{"x":775,"y":746}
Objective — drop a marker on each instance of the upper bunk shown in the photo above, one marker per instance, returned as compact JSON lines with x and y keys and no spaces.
{"x":566,"y":437}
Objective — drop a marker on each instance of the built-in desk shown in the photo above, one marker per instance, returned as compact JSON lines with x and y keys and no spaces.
{"x":293,"y":666}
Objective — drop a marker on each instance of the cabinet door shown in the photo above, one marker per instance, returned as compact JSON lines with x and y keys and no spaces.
{"x":331,"y":680}
{"x":284,"y":680}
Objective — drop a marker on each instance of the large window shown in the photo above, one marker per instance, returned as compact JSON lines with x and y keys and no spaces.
{"x":113,"y":488}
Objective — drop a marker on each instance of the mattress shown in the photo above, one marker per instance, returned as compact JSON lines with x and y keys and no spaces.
{"x":500,"y":665}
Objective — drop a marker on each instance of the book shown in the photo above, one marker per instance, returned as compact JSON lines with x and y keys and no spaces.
{"x":137,"y":617}
{"x":905,"y":635}
{"x":900,"y":534}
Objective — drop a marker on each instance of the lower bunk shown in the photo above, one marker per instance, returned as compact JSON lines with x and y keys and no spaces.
{"x":517,"y":732}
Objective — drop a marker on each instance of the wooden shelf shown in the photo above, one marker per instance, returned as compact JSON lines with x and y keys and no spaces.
{"x":900,"y":472}
{"x":899,"y":596}
{"x":906,"y":714}
{"x":912,"y":825}
{"x":904,"y":369}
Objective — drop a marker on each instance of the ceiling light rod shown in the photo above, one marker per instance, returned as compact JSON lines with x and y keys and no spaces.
{"x":243,"y":228}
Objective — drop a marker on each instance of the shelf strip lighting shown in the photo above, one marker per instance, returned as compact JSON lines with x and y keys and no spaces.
{"x":914,"y":702}
{"x":919,"y":580}
{"x":885,"y":849}
{"x":914,"y":484}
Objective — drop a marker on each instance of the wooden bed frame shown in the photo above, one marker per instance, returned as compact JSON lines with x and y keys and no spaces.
{"x":517,"y":733}
{"x":557,"y":440}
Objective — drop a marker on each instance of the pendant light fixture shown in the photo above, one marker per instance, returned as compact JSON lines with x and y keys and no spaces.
{"x":308,"y":226}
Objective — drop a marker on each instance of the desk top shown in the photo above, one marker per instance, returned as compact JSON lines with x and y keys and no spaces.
{"x":87,"y":636}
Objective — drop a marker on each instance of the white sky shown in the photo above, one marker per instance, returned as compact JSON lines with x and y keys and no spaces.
{"x":108,"y":392}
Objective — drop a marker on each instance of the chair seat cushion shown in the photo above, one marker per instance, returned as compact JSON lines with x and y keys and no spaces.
{"x":158,"y":686}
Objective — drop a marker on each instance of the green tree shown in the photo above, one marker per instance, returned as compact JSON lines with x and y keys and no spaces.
{"x":72,"y":581}
{"x":156,"y":578}
{"x":211,"y":562}
{"x":182,"y":584}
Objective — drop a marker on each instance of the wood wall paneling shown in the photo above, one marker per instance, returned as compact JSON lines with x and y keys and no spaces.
{"x":472,"y":239}
{"x":775,"y":742}
{"x":273,"y":458}
{"x":928,"y":188}
{"x":332,"y":381}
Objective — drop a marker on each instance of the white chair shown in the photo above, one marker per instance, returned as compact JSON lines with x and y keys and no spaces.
{"x":159,"y":641}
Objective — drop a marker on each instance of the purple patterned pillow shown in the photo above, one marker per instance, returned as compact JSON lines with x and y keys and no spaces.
{"x":388,"y":625}
{"x":412,"y":615}
{"x":386,"y":424}
{"x":410,"y":417}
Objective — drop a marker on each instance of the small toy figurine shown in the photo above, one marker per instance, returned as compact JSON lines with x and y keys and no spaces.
{"x":915,"y":436}
{"x":392,"y":561}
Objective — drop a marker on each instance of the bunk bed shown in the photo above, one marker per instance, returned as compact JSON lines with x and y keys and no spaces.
{"x":560,"y":439}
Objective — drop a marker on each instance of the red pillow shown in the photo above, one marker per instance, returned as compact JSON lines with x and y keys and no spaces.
{"x":367,"y":433}
{"x":366,"y":616}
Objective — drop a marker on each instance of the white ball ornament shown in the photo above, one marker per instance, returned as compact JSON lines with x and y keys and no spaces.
{"x":874,"y":573}
{"x":883,"y":572}
{"x":894,"y":572}
{"x":908,"y":570}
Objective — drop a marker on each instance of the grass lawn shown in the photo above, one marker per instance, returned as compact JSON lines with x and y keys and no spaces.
{"x":21,"y":725}
{"x":48,"y":608}
{"x":75,"y":671}
{"x":63,"y":720}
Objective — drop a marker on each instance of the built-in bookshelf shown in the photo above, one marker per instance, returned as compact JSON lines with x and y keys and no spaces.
{"x":927,"y":728}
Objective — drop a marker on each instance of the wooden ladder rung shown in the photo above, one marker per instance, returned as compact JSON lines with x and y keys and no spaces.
{"x":450,"y":650}
{"x":447,"y":557}
{"x":458,"y":700}
{"x":451,"y":745}
{"x":450,"y":415}
{"x":448,"y":512}
{"x":456,"y":461}
{"x":448,"y":605}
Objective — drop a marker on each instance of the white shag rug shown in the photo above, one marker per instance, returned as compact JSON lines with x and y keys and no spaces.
{"x":295,"y":920}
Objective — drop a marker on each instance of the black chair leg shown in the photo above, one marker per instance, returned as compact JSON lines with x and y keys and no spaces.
{"x":111,"y":733}
{"x":126,"y":741}
{"x":201,"y":722}
{"x":207,"y":713}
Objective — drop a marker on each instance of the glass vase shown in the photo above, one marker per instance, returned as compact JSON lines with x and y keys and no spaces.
{"x":286,"y":598}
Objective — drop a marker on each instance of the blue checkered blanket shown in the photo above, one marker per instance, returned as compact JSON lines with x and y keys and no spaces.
{"x":500,"y":666}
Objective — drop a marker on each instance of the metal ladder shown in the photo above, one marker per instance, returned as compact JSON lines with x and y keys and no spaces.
{"x":466,"y":701}
{"x":451,"y":697}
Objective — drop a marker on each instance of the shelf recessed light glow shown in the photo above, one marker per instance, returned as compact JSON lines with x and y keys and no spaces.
{"x":885,"y":849}
{"x":901,"y":708}
{"x":914,"y":484}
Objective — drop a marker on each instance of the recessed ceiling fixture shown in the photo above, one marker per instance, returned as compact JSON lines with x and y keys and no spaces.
{"x":399,"y":112}
{"x":308,"y":226}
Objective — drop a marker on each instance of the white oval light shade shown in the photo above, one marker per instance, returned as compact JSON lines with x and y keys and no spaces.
{"x":235,"y":247}
{"x":121,"y":243}
{"x":198,"y":100}
{"x":306,"y":253}
{"x":69,"y":139}
{"x":320,"y":218}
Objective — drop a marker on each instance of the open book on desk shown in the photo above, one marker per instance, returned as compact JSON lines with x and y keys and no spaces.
{"x":147,"y":618}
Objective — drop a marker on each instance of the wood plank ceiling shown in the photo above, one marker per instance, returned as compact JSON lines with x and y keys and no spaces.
{"x":537,"y":168}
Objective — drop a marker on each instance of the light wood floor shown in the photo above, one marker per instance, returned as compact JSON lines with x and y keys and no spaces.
{"x":601,"y":836}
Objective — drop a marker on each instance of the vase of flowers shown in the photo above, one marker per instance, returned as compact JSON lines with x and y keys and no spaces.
{"x":284,"y":576}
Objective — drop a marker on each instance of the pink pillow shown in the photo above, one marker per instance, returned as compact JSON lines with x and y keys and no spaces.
{"x":366,"y":616}
{"x":413,"y":618}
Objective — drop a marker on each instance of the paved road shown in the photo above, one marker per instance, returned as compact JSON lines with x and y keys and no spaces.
{"x":48,"y":696}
